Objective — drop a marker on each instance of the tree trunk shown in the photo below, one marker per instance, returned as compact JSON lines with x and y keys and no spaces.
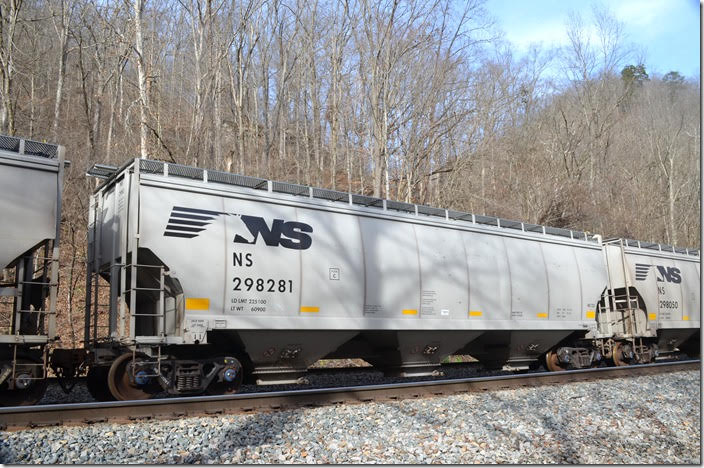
{"x":142,"y":75}
{"x":9,"y":19}
{"x":62,"y":33}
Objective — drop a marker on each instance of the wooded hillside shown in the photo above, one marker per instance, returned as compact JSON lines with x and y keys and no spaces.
{"x":415,"y":101}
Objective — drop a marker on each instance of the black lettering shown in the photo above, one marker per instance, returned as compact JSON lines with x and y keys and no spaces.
{"x":290,"y":235}
{"x":296,"y":237}
{"x":257,"y":226}
{"x":669,"y":274}
{"x":674,"y":275}
{"x":237,"y":259}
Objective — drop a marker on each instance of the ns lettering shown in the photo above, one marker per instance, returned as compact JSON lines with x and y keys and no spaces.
{"x":240,"y":259}
{"x":669,"y":274}
{"x":287,"y":234}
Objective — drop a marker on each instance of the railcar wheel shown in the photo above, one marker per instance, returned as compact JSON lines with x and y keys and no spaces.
{"x":119,"y":381}
{"x":552,"y":362}
{"x":618,"y":354}
{"x":32,"y":388}
{"x":97,"y":383}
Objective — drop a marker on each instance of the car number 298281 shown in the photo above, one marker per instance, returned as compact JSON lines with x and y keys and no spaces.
{"x":262,"y":285}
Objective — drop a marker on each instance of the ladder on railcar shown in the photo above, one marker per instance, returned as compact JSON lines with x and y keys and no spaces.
{"x":119,"y":318}
{"x":155,"y":327}
{"x":28,"y":307}
{"x":619,"y":307}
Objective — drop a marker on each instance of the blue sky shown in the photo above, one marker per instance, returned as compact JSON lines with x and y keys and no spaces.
{"x":664,"y":32}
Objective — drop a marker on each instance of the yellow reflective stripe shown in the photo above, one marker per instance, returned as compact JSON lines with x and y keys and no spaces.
{"x":591,"y":314}
{"x":652,"y":316}
{"x":410,"y":312}
{"x":310,"y":309}
{"x":475,"y":313}
{"x":685,"y":317}
{"x":542,"y":315}
{"x":197,"y":303}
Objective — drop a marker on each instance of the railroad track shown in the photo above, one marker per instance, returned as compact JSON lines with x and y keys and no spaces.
{"x":172,"y":408}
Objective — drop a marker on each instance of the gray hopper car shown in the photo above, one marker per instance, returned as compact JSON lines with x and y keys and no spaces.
{"x":31,"y":182}
{"x":210,"y":277}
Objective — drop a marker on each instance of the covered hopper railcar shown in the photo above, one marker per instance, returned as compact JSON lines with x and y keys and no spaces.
{"x":211,"y":277}
{"x":652,"y":301}
{"x":31,"y":182}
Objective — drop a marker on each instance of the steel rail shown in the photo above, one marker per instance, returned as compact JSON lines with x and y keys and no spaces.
{"x":23,"y":417}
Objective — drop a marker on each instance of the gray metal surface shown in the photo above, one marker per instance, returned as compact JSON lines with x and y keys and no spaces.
{"x":28,"y":203}
{"x":364,"y":269}
{"x":31,"y":185}
{"x":668,"y":282}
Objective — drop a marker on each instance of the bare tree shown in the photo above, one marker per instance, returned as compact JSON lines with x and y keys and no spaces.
{"x":9,"y":22}
{"x":142,"y":78}
{"x":61,"y":26}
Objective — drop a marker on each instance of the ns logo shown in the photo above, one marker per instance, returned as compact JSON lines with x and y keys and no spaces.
{"x":186,"y":222}
{"x":662,"y":273}
{"x":287,"y":234}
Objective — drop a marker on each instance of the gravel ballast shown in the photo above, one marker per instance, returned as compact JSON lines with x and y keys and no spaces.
{"x":647,"y":419}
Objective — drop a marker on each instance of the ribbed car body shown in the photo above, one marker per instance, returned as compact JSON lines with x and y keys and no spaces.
{"x":281,"y":275}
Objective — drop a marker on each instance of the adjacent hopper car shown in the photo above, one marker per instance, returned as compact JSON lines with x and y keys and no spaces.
{"x":198,"y":280}
{"x":31,"y":182}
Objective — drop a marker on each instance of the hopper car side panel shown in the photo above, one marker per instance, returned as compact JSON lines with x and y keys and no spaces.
{"x":366,"y":271}
{"x":669,"y":305}
{"x":391,"y":270}
{"x":565,"y":284}
{"x":489,"y":278}
{"x":645,"y":285}
{"x":271,"y":286}
{"x":652,"y":287}
{"x":333,"y":270}
{"x":109,"y":242}
{"x":444,"y":271}
{"x":529,"y":284}
{"x":667,"y":283}
{"x":109,"y":220}
{"x":28,"y":203}
{"x":31,"y":182}
{"x":669,"y":286}
{"x":593,"y":279}
{"x":690,"y":290}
